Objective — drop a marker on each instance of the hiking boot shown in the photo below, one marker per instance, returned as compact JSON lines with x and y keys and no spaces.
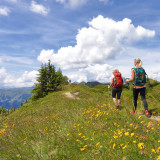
{"x":118,"y":107}
{"x":133,"y":112}
{"x":147,"y":114}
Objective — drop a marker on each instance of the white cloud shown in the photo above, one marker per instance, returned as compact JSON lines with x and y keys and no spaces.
{"x":38,"y":8}
{"x":4,"y":11}
{"x":97,"y":72}
{"x":1,"y":60}
{"x":26,"y":80}
{"x":103,"y":40}
{"x":72,"y":3}
{"x":77,"y":3}
{"x":13,"y":1}
{"x":17,"y":60}
{"x":105,"y":1}
{"x":61,"y":1}
{"x":156,"y":76}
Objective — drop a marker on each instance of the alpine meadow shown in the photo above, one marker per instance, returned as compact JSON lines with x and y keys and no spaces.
{"x":80,"y":122}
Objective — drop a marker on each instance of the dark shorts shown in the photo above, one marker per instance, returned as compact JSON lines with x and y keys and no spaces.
{"x":116,"y":91}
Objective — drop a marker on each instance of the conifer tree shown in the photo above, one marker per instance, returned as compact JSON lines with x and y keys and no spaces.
{"x":51,"y":77}
{"x":47,"y":81}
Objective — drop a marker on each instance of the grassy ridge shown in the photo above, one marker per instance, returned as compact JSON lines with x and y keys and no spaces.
{"x":57,"y":127}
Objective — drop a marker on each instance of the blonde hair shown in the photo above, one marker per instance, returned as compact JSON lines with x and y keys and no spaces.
{"x":115,"y":70}
{"x":138,"y":62}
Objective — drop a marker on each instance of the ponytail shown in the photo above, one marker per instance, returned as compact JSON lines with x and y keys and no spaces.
{"x":138,"y":62}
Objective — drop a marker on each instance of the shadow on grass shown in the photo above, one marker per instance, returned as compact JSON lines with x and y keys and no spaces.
{"x":154,"y":111}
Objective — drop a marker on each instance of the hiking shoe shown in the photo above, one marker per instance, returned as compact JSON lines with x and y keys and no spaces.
{"x":133,"y":112}
{"x":118,"y":107}
{"x":147,"y":114}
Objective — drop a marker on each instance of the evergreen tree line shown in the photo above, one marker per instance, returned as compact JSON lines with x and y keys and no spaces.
{"x":6,"y":112}
{"x":48,"y":80}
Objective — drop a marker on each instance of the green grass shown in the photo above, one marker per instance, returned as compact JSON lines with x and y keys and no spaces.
{"x":57,"y":127}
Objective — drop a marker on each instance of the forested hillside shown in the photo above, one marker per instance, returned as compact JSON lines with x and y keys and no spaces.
{"x":14,"y":97}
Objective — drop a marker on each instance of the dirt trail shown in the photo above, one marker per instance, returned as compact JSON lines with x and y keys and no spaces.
{"x":72,"y":95}
{"x":156,"y":118}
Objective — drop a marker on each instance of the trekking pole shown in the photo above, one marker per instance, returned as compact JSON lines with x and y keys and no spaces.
{"x":131,"y":96}
{"x":109,"y":96}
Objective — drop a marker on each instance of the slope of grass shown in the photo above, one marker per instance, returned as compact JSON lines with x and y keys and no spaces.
{"x":58,"y":127}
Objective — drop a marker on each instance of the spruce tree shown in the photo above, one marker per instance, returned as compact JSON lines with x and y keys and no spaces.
{"x":48,"y":80}
{"x":51,"y":77}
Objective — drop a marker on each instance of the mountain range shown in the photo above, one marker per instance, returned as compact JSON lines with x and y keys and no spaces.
{"x":13,"y":97}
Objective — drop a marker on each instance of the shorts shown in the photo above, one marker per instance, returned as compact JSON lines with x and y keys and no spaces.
{"x":116,"y":91}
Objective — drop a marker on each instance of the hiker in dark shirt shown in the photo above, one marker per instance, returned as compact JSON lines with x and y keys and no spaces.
{"x":116,"y":83}
{"x":139,"y":79}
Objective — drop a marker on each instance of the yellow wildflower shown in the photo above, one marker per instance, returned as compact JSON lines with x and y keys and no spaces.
{"x":132,"y":134}
{"x":158,"y":141}
{"x":82,"y":149}
{"x":126,"y":133}
{"x":114,"y":145}
{"x":110,"y":141}
{"x":115,"y":137}
{"x":141,"y":145}
{"x":139,"y":117}
{"x":158,"y":149}
{"x":125,"y":147}
{"x":158,"y":158}
{"x":119,"y":132}
{"x":153,"y":150}
{"x":31,"y":141}
{"x":92,"y":138}
{"x":134,"y":141}
{"x":97,"y":144}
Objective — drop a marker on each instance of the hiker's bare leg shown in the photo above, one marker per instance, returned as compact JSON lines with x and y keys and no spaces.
{"x":114,"y":100}
{"x":119,"y":102}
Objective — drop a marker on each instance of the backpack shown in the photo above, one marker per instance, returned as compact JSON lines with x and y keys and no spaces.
{"x":140,"y":76}
{"x":118,"y":81}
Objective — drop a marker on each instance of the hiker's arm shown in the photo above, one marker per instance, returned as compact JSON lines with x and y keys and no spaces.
{"x":112,"y":81}
{"x":133,"y":76}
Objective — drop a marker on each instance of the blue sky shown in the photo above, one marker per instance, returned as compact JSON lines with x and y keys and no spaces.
{"x":87,"y":39}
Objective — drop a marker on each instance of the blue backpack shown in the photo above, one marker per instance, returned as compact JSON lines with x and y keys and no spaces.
{"x":140,"y":76}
